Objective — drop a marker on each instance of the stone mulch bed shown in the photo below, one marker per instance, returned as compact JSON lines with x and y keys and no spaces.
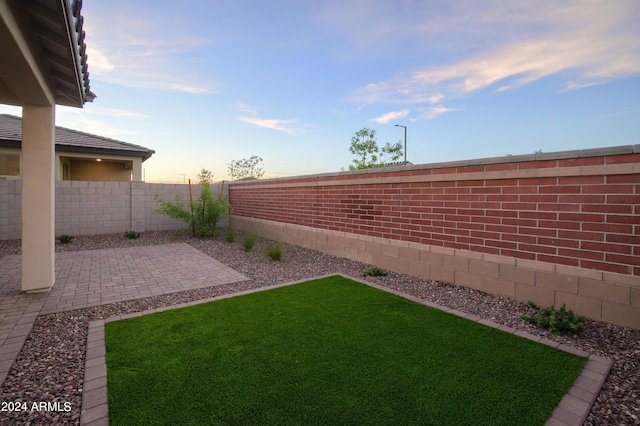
{"x":50,"y":366}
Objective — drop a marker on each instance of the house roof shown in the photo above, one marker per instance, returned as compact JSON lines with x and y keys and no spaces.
{"x":43,"y":42}
{"x":71,"y":140}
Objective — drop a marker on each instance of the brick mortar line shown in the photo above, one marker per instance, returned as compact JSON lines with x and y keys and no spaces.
{"x":568,"y":411}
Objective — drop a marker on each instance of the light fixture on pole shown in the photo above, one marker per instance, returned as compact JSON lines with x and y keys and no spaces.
{"x":405,"y":143}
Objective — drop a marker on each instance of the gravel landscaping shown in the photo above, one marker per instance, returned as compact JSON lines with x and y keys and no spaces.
{"x":50,"y":366}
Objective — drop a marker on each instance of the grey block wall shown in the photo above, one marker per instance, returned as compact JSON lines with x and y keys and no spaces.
{"x":10,"y":208}
{"x":93,"y":208}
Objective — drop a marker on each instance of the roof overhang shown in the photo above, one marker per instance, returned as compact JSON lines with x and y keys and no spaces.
{"x":145,"y":155}
{"x":43,"y":53}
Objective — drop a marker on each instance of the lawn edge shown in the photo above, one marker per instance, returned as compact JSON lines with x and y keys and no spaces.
{"x":572,"y":410}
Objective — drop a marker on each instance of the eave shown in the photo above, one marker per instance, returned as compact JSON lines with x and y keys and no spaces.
{"x":44,"y":53}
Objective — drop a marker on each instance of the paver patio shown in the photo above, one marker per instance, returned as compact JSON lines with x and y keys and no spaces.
{"x":98,"y":277}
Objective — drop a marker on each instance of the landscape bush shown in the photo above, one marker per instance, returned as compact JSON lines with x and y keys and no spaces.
{"x":275,"y":250}
{"x":374,"y":271}
{"x":249,"y":241}
{"x":230,"y":234}
{"x":556,"y":320}
{"x":65,"y":239}
{"x":201,"y":214}
{"x":132,"y":235}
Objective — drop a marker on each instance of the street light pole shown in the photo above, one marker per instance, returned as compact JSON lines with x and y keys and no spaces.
{"x":405,"y":143}
{"x":230,"y":164}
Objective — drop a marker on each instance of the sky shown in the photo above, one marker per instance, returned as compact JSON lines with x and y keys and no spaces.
{"x":204,"y":82}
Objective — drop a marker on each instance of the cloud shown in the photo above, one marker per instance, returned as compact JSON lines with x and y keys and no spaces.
{"x":275,"y":124}
{"x":154,"y":53}
{"x":390,"y":116}
{"x":89,"y":119}
{"x":618,"y":113}
{"x":93,"y":126}
{"x":571,"y":85}
{"x":585,"y":42}
{"x":433,"y":112}
{"x":94,"y":120}
{"x":288,"y":126}
{"x":110,"y":112}
{"x":246,"y":108}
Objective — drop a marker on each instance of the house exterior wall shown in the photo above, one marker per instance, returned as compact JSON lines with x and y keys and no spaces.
{"x":103,"y":171}
{"x":10,"y":162}
{"x":92,"y":208}
{"x":552,"y":228}
{"x":83,"y":166}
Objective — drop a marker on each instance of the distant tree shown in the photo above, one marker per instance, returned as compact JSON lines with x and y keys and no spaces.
{"x":205,"y":176}
{"x":367,"y":153}
{"x":248,"y":168}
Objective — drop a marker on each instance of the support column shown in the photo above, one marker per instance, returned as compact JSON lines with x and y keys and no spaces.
{"x":137,"y":170}
{"x":38,"y":198}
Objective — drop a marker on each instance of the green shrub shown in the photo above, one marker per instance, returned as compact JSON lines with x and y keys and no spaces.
{"x":201,"y":214}
{"x":230,"y":234}
{"x":556,"y":320}
{"x":374,"y":271}
{"x":275,"y":250}
{"x":132,"y":235}
{"x":249,"y":241}
{"x":179,"y":234}
{"x":65,"y":239}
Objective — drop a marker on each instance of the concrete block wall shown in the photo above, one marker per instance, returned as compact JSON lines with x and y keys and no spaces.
{"x":553,"y":228}
{"x":93,"y":208}
{"x":10,"y":208}
{"x":600,"y":295}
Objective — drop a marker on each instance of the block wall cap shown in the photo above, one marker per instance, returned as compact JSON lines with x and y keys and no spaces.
{"x":614,"y":150}
{"x":540,"y":156}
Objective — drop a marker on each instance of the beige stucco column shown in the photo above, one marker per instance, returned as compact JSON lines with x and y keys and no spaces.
{"x":38,"y":197}
{"x":137,"y":170}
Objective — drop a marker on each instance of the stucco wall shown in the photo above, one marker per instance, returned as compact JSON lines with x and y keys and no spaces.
{"x":103,"y":171}
{"x":90,"y":208}
{"x":81,"y":166}
{"x":554,"y":228}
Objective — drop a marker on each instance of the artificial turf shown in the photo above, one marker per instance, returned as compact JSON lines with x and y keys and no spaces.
{"x":327,"y":351}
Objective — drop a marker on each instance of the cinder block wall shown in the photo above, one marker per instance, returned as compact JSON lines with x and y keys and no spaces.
{"x":10,"y":210}
{"x":554,"y":228}
{"x":91,"y":208}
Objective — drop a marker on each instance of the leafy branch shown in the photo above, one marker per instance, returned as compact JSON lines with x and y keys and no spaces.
{"x":202,"y":213}
{"x":367,"y":153}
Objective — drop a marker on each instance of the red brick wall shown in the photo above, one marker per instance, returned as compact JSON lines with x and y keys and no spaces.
{"x":577,"y":208}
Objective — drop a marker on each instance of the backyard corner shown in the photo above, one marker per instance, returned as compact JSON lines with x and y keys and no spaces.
{"x":68,"y":336}
{"x":480,"y":237}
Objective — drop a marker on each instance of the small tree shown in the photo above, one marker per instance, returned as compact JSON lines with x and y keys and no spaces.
{"x":366,"y":150}
{"x":203,"y":213}
{"x":248,"y":168}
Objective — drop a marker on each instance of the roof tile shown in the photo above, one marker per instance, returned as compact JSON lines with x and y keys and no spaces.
{"x":11,"y":130}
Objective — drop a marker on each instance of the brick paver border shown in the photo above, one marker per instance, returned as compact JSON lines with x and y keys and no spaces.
{"x":572,"y":410}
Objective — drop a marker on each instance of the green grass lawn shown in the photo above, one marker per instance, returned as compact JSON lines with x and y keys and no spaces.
{"x":330,"y":351}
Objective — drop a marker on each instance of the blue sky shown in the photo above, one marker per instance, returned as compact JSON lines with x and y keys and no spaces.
{"x":205,"y":82}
